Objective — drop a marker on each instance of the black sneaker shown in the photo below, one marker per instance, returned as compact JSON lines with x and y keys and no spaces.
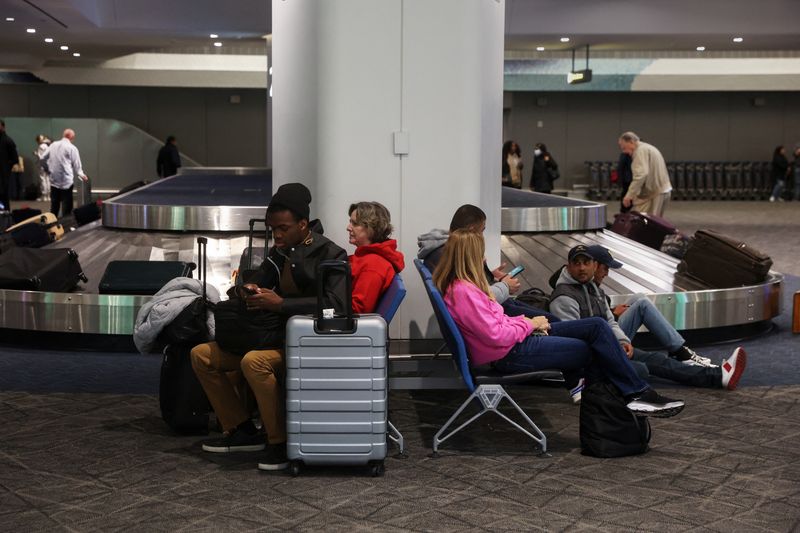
{"x":274,"y":458}
{"x":236,"y":441}
{"x":651,"y":403}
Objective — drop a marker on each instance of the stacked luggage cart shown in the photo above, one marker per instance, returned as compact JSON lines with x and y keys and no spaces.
{"x":694,"y":180}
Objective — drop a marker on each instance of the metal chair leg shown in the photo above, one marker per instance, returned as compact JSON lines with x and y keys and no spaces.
{"x":490,"y":397}
{"x":396,"y":437}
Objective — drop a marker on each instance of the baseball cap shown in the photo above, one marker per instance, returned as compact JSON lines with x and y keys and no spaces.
{"x":581,"y":249}
{"x":603,"y":256}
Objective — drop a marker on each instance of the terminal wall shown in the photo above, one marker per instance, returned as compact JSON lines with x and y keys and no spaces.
{"x":576,"y":127}
{"x":210,"y":128}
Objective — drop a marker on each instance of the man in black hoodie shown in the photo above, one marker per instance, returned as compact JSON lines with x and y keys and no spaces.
{"x":290,"y":269}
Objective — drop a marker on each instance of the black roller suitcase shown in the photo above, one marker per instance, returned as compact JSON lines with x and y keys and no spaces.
{"x":722,"y":262}
{"x":141,"y":277}
{"x":649,"y":230}
{"x":27,"y":269}
{"x":182,"y":400}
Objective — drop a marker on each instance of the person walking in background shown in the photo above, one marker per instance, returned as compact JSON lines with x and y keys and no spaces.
{"x":625,"y":177}
{"x":63,"y":161}
{"x":545,"y":169}
{"x":8,"y":158}
{"x":512,"y":165}
{"x":169,"y":159}
{"x":779,"y":172}
{"x":796,"y":173}
{"x":42,"y":144}
{"x":650,"y":188}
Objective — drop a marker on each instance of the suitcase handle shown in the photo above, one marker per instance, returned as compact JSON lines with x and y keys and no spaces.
{"x":202,"y":245}
{"x":250,"y":240}
{"x":334,"y":324}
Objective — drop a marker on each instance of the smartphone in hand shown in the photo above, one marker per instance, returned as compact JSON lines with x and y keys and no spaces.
{"x":515,"y":271}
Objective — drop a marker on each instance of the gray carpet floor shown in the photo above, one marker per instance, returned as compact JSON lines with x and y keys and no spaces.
{"x":84,"y":449}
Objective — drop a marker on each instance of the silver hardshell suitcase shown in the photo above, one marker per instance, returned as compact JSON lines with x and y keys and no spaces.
{"x":336,"y":388}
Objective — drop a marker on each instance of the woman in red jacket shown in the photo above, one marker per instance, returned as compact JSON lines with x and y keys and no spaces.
{"x":376,"y":260}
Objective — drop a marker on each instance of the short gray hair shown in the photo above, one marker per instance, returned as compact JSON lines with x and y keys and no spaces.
{"x":629,"y":137}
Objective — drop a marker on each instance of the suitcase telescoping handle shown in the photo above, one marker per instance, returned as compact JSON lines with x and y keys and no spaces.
{"x":202,"y":245}
{"x":253,"y":222}
{"x":326,"y":319}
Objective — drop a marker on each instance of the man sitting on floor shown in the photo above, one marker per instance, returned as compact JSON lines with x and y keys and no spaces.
{"x":577,"y":295}
{"x":291,"y":267}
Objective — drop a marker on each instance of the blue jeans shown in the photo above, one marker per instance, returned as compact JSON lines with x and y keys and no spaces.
{"x":588,"y":343}
{"x":778,"y":189}
{"x":642,"y":311}
{"x":660,"y":365}
{"x":512,"y":307}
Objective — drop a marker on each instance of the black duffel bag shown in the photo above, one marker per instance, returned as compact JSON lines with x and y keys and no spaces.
{"x":239,"y":330}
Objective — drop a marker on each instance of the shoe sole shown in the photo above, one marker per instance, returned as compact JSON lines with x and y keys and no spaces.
{"x":270,"y":467}
{"x":234,"y":449}
{"x":647,"y":409}
{"x":738,"y":370}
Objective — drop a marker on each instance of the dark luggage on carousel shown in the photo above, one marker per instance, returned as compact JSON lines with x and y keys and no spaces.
{"x":27,"y":234}
{"x":336,"y":386}
{"x":721,"y":261}
{"x":26,"y":269}
{"x":24,"y":213}
{"x":6,"y":242}
{"x":649,"y":230}
{"x":183,"y":402}
{"x":141,"y":277}
{"x":86,"y":213}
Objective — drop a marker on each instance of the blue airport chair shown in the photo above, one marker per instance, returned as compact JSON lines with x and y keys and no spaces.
{"x":486,"y":385}
{"x":388,"y":305}
{"x":391,"y":298}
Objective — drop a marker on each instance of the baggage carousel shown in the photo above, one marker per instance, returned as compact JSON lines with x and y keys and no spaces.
{"x":162,"y":220}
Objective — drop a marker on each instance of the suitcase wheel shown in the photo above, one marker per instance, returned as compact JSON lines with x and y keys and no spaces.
{"x":377,"y":469}
{"x":294,"y":468}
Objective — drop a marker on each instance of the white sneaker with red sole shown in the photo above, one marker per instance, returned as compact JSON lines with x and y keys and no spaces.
{"x":733,"y":368}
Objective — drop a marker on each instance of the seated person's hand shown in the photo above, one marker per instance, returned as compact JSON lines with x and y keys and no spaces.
{"x":619,"y":309}
{"x":513,"y":284}
{"x":628,"y":349}
{"x":263,"y":300}
{"x":500,"y":272}
{"x":540,"y":324}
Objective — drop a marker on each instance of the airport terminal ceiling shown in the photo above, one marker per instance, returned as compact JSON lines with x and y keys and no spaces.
{"x":101,"y":30}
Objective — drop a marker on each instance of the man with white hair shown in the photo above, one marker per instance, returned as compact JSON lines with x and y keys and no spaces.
{"x":650,"y":190}
{"x":63,"y":161}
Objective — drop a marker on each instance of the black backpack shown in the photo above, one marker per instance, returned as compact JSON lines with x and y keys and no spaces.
{"x":607,"y":427}
{"x":536,"y":298}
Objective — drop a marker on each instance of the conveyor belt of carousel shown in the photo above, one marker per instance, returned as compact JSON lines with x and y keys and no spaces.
{"x":161,"y":221}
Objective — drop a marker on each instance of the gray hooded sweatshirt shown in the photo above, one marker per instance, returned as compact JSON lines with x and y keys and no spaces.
{"x":430,"y":251}
{"x":565,"y":305}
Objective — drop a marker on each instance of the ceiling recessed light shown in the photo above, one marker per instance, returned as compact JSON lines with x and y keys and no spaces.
{"x":31,"y":30}
{"x":701,"y":48}
{"x":9,"y":19}
{"x":76,"y":54}
{"x":213,"y":36}
{"x":64,"y":47}
{"x":737,"y":39}
{"x":48,"y":39}
{"x":540,"y":48}
{"x":564,"y":39}
{"x":217,"y":44}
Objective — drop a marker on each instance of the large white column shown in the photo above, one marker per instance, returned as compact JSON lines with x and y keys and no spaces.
{"x":397,"y":101}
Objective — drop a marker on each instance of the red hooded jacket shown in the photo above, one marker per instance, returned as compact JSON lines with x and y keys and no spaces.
{"x":373,"y":267}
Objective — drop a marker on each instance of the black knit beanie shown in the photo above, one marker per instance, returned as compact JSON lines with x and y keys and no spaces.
{"x":295,"y":197}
